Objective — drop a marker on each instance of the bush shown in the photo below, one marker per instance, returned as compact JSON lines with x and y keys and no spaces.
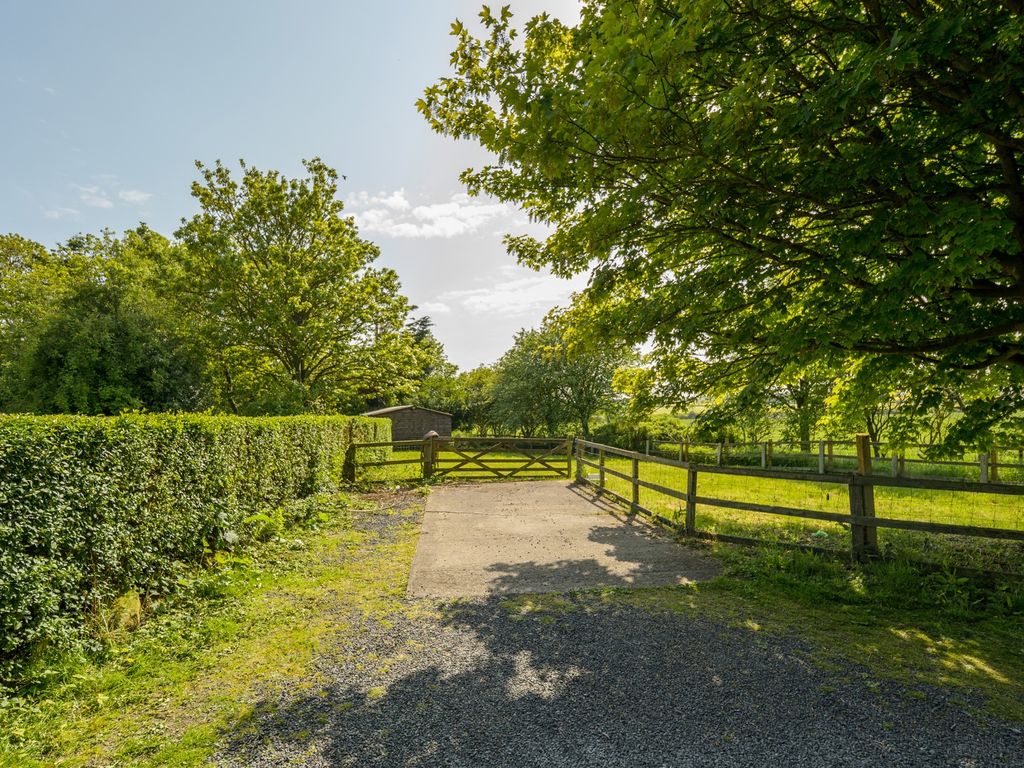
{"x":92,"y":508}
{"x":633,"y":435}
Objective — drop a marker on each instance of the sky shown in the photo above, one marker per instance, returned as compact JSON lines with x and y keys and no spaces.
{"x":107,"y":105}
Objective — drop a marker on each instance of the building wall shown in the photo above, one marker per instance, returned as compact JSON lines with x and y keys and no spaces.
{"x":413,"y":424}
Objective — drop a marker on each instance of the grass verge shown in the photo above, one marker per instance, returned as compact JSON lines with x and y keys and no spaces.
{"x":162,"y":694}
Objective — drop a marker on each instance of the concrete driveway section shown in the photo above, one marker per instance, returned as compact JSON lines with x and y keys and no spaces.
{"x":540,"y":536}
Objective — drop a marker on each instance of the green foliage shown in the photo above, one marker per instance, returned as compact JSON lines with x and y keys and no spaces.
{"x":279,"y":287}
{"x":762,"y":187}
{"x":547,"y":381}
{"x":83,"y":329}
{"x":468,"y":396}
{"x":267,"y":304}
{"x":633,"y":434}
{"x":92,"y":508}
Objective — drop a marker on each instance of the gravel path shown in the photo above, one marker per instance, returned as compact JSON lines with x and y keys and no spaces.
{"x":475,"y":684}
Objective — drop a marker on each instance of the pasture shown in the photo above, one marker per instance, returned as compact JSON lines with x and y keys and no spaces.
{"x":803,"y":490}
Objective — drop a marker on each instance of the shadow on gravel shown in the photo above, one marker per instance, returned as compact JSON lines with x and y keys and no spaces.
{"x":570,"y":681}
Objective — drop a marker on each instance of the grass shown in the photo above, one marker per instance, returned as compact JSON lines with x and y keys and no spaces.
{"x":161,"y":695}
{"x":165,"y":694}
{"x":963,"y":508}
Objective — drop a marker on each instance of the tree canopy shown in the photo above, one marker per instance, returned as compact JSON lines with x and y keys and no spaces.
{"x":284,"y":286}
{"x":544,"y":384}
{"x":759,"y":187}
{"x":267,"y":302}
{"x":85,"y":330}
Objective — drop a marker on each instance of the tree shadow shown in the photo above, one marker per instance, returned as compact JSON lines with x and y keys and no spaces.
{"x":567,"y":680}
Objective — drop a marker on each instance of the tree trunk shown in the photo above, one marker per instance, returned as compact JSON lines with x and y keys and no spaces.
{"x":872,"y":430}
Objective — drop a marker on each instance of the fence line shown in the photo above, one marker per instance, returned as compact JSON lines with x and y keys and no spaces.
{"x":988,"y":464}
{"x":472,"y":458}
{"x":860,"y":484}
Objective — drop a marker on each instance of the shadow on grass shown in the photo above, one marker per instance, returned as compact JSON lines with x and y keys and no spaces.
{"x":586,"y":679}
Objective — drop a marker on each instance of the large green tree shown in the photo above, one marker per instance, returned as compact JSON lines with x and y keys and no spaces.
{"x":760,"y":186}
{"x":85,"y":330}
{"x":467,"y":395}
{"x":544,"y":382}
{"x":283,"y":291}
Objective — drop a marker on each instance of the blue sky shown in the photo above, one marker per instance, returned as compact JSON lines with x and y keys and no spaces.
{"x":108,"y":104}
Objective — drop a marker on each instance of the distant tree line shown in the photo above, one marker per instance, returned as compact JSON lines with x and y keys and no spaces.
{"x":542,"y":385}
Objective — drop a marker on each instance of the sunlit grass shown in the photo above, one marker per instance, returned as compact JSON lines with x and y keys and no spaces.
{"x":952,"y":507}
{"x":163,"y":695}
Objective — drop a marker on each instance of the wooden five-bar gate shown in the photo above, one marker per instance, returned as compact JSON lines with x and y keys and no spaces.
{"x":469,"y":458}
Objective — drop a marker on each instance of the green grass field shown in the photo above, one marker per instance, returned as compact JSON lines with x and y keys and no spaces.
{"x":959,"y":508}
{"x":790,"y":455}
{"x":987,"y":510}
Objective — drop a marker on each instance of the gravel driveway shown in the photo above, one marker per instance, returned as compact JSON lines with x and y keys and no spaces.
{"x":477,"y":683}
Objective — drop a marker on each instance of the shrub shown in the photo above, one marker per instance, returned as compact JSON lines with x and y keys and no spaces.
{"x":633,"y":435}
{"x":93,"y":508}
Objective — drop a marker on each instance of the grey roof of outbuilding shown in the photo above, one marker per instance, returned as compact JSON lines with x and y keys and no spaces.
{"x":393,"y":408}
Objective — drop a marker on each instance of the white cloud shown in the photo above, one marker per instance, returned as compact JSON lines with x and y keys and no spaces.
{"x":392,"y":214}
{"x":434,"y":308}
{"x":60,"y":213}
{"x":517,"y":297}
{"x":94,"y":197}
{"x":134,"y":196}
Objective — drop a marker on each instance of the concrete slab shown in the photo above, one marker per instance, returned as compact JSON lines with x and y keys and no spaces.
{"x":540,"y":536}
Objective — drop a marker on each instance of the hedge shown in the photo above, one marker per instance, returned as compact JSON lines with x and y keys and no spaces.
{"x":96,"y":507}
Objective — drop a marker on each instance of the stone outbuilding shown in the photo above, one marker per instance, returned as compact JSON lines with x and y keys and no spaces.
{"x":411,"y":422}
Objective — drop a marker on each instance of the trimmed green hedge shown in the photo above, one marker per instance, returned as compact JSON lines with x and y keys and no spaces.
{"x":94,"y":507}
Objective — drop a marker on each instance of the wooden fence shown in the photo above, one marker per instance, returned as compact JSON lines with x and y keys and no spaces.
{"x":861,"y":518}
{"x":828,"y":455}
{"x":471,"y":458}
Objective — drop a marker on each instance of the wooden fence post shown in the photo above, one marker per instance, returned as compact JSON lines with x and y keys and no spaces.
{"x":686,"y":451}
{"x":691,"y":501}
{"x":680,"y":453}
{"x":718,"y":453}
{"x":764,"y":455}
{"x":647,"y":446}
{"x":862,"y":503}
{"x":600,"y":468}
{"x":427,"y":452}
{"x":579,"y":463}
{"x":983,"y":467}
{"x":636,"y":485}
{"x":821,"y":457}
{"x":348,"y":470}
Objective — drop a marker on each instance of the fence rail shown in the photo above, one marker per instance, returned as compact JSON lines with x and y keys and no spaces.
{"x":860,"y":485}
{"x":471,"y":458}
{"x":825,"y":455}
